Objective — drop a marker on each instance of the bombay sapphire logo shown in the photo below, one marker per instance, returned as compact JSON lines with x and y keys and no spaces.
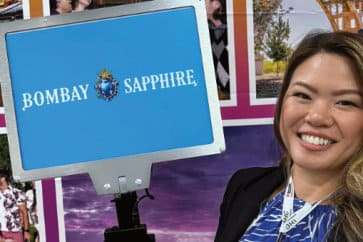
{"x":106,"y":86}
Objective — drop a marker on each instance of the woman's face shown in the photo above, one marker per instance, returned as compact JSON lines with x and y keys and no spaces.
{"x":64,"y":6}
{"x":321,"y":121}
{"x":3,"y":183}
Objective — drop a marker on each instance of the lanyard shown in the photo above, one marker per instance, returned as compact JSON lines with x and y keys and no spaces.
{"x":290,"y":218}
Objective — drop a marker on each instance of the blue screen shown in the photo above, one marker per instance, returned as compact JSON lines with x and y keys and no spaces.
{"x":109,"y":88}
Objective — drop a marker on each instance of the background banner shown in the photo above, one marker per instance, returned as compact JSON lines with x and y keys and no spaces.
{"x":188,"y":192}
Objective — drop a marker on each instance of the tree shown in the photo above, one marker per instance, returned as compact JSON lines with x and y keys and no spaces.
{"x":5,"y":164}
{"x":276,"y":46}
{"x":263,"y":13}
{"x":4,"y":153}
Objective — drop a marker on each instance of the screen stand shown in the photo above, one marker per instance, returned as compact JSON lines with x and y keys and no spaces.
{"x":129,"y":228}
{"x":129,"y":175}
{"x":123,"y":180}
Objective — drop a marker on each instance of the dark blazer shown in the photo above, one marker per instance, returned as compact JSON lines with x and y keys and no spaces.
{"x":246,"y":191}
{"x":241,"y":202}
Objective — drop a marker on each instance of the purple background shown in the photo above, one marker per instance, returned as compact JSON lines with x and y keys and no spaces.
{"x":187,"y":192}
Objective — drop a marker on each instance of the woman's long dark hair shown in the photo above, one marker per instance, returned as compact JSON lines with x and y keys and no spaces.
{"x":349,"y":201}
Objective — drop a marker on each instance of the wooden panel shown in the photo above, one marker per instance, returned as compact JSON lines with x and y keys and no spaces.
{"x":36,"y":8}
{"x":350,"y":11}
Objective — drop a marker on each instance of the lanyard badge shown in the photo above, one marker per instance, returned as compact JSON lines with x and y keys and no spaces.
{"x":290,"y":218}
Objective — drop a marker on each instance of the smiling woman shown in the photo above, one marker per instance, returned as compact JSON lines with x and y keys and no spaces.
{"x":321,"y":124}
{"x":316,"y":193}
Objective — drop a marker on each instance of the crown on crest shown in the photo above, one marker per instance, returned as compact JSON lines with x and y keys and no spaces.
{"x":105,"y":74}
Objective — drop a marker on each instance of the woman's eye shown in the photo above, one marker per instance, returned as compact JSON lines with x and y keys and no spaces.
{"x":347,"y":103}
{"x":301,"y":95}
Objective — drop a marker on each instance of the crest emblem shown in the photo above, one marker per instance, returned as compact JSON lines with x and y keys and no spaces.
{"x":106,"y":86}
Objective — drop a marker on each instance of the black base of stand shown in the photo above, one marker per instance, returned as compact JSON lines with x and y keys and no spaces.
{"x":129,"y":235}
{"x":130,"y":229}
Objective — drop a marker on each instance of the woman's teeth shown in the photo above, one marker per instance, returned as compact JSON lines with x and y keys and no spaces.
{"x":315,"y":140}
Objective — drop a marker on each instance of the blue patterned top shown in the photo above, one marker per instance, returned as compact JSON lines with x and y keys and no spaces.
{"x":315,"y":227}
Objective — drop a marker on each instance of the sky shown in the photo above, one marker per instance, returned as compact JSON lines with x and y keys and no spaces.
{"x":306,"y":16}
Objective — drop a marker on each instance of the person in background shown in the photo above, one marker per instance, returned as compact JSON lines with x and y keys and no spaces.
{"x":81,"y":5}
{"x":68,"y":6}
{"x":316,"y":194}
{"x":60,"y":6}
{"x":14,"y":223}
{"x":31,"y":204}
